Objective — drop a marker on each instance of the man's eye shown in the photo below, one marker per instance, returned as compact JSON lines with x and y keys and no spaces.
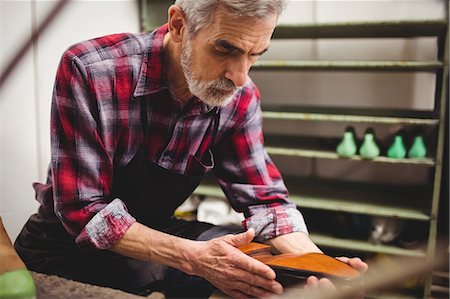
{"x":222,"y":51}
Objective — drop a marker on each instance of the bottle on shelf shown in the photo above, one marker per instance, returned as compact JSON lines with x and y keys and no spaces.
{"x":347,"y":147}
{"x":418,"y":148}
{"x":397,"y":150}
{"x":369,"y":148}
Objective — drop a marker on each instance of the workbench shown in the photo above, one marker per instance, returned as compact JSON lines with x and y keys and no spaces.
{"x":54,"y":287}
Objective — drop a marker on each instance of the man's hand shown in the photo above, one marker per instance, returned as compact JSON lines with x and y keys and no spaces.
{"x":355,"y":262}
{"x":230,"y":270}
{"x":301,"y":243}
{"x":217,"y":260}
{"x":325,"y":284}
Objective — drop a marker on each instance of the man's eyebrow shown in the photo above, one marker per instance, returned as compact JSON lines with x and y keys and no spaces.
{"x":229,"y":46}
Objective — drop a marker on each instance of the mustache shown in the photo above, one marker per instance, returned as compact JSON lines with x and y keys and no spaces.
{"x":222,"y":84}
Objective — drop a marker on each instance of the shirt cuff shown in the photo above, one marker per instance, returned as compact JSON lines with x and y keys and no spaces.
{"x":106,"y":228}
{"x":271,"y":222}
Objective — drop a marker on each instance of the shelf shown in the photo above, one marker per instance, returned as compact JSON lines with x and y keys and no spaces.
{"x":332,"y":155}
{"x":387,"y":66}
{"x":418,"y":28}
{"x":296,"y":146}
{"x":369,"y":199}
{"x":362,"y":246}
{"x":348,"y":118}
{"x":338,"y":114}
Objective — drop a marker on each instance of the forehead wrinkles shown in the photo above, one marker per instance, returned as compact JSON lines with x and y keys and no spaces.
{"x":247,"y":33}
{"x":245,"y":41}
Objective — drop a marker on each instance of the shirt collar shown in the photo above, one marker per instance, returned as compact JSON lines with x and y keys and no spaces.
{"x":152,"y":77}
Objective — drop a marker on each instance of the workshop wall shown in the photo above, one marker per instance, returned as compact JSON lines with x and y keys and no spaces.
{"x":365,"y":90}
{"x":25,"y":97}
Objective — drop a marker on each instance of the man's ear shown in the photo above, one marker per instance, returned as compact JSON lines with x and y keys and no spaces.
{"x":177,"y":23}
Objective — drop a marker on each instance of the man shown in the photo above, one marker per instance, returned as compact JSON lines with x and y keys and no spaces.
{"x":137,"y":121}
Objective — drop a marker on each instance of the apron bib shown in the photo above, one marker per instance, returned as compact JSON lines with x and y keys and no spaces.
{"x":151,"y":194}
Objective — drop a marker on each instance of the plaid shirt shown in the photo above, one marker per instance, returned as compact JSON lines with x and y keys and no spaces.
{"x":96,"y":126}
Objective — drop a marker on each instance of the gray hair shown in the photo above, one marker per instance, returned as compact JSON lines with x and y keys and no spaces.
{"x":199,"y":13}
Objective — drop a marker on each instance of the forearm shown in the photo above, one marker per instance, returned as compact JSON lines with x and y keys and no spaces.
{"x":296,"y":242}
{"x":143,"y":243}
{"x":217,"y":260}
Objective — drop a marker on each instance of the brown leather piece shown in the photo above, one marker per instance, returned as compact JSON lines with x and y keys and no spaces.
{"x":9,"y":260}
{"x":253,"y":248}
{"x":301,"y":265}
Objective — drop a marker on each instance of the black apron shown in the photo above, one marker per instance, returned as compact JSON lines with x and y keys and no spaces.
{"x":151,"y":194}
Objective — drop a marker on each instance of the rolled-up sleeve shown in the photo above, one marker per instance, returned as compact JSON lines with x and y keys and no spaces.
{"x":82,"y":162}
{"x":251,"y":181}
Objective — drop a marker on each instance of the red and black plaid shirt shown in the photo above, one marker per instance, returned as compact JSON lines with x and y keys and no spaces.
{"x":96,"y":127}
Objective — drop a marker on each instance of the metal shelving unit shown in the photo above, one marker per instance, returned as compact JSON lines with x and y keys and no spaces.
{"x":361,"y":198}
{"x":400,"y":202}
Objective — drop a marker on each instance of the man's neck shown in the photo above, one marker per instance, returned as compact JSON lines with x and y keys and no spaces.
{"x":175,"y":76}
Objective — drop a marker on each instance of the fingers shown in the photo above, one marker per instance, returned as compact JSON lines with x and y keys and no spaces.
{"x":254,"y":266}
{"x":320,"y":285}
{"x":253,"y":288}
{"x":358,"y":264}
{"x":242,"y":284}
{"x":240,"y":275}
{"x":241,"y":239}
{"x":355,"y":262}
{"x":254,"y":291}
{"x":243,"y":261}
{"x":313,"y":282}
{"x":258,"y":281}
{"x":326,"y":285}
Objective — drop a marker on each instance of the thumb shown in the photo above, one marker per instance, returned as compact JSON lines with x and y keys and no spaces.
{"x":242,"y":238}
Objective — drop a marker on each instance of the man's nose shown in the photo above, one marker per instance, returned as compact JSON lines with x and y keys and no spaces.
{"x":237,"y":71}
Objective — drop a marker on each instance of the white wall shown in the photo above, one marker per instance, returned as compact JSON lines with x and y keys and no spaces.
{"x":18,"y":152}
{"x":350,"y":89}
{"x":393,"y":90}
{"x":25,"y":98}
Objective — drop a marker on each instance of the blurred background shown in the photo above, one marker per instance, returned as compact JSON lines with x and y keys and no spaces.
{"x":26,"y":96}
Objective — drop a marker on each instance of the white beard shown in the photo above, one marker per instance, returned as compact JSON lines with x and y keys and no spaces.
{"x":215,"y":93}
